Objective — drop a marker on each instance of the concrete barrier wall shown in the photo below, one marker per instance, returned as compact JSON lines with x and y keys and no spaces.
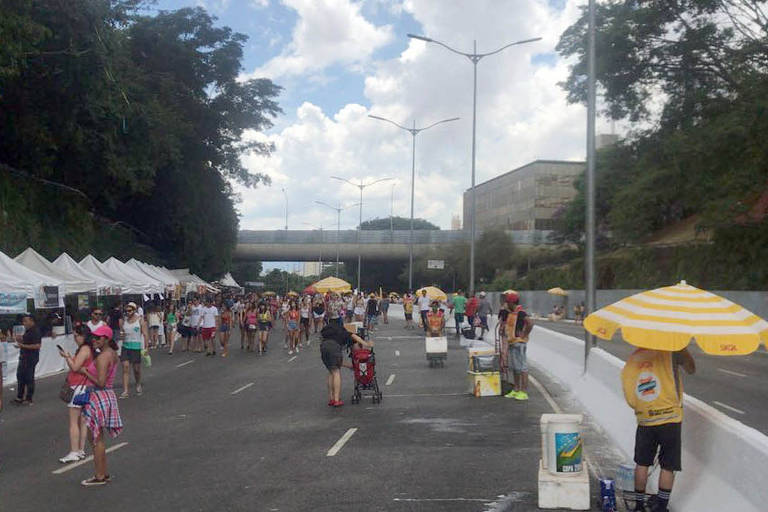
{"x":50,"y":361}
{"x":724,"y":461}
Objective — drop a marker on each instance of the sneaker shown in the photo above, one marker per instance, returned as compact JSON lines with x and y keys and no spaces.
{"x":123,"y":395}
{"x":70,"y":457}
{"x":338,"y":403}
{"x":511,"y":394}
{"x":139,"y":390}
{"x":330,"y":403}
{"x":290,"y":352}
{"x":93,"y":481}
{"x":521,"y":395}
{"x":81,"y":456}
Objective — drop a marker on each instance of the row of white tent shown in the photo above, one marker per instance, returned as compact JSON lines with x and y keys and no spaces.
{"x":29,"y":272}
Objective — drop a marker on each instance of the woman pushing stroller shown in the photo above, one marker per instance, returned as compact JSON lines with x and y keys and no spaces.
{"x":335,"y":340}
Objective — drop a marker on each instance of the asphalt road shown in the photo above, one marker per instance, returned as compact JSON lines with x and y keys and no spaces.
{"x":737,"y":386}
{"x":254,"y":433}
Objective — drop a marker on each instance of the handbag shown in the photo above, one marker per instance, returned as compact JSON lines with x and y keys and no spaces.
{"x":66,"y":392}
{"x":82,"y":399}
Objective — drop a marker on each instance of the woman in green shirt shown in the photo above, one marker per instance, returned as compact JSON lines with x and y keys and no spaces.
{"x":171,"y":321}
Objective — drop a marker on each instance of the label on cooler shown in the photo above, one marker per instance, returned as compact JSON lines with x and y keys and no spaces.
{"x":568,"y":447}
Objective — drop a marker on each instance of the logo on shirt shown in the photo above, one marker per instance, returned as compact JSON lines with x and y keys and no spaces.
{"x":648,"y":387}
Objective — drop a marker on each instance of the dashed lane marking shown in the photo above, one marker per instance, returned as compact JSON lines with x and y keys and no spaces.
{"x":397,"y":353}
{"x":481,"y":500}
{"x":731,"y":372}
{"x":341,"y":442}
{"x":86,"y":460}
{"x":726,"y":406}
{"x":427,"y":394}
{"x":243,"y":388}
{"x":390,"y":380}
{"x":291,"y":359}
{"x":185,"y":363}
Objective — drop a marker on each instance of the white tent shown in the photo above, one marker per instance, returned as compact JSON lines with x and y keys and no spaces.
{"x":191,"y":281}
{"x":129,"y":284}
{"x":71,"y":283}
{"x":156,"y":273}
{"x":15,"y":278}
{"x":134,"y":277}
{"x":103,"y":282}
{"x":91,"y":264}
{"x":229,"y":281}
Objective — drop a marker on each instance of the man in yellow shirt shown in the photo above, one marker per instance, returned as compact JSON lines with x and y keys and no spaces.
{"x":653,"y":387}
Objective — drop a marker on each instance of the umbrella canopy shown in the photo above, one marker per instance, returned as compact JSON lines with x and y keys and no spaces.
{"x":292,"y":294}
{"x":332,"y":284}
{"x":268,"y":294}
{"x":433,"y":293}
{"x":667,"y":318}
{"x":557,"y":291}
{"x":309,"y":290}
{"x":507,"y":292}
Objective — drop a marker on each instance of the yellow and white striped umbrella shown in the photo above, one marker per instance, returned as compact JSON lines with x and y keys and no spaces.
{"x":667,"y":318}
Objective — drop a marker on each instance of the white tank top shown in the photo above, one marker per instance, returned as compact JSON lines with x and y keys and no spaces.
{"x":133,"y":337}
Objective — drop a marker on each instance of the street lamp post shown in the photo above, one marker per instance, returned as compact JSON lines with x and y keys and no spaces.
{"x":589,"y":259}
{"x":473,"y":57}
{"x":361,"y":186}
{"x":413,"y":131}
{"x":338,"y":209}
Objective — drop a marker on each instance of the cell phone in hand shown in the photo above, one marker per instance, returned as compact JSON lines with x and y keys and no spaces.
{"x":59,"y":347}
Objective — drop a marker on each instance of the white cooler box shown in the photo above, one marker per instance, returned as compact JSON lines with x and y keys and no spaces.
{"x":437,"y":350}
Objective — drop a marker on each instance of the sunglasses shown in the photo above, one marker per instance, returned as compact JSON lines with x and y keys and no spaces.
{"x":97,"y":314}
{"x":130,"y":310}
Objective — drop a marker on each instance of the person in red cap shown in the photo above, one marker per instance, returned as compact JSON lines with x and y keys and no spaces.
{"x":517,"y":327}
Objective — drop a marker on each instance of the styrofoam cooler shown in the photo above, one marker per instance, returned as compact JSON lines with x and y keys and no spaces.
{"x":561,"y":443}
{"x":436,"y":345}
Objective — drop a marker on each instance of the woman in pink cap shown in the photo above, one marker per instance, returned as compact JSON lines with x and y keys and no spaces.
{"x":101,"y":413}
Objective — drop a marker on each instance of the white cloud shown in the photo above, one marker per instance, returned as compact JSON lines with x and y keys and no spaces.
{"x":328,"y":32}
{"x":522,"y":115}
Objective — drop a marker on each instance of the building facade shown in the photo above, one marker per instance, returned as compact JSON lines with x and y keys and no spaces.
{"x":524,"y":199}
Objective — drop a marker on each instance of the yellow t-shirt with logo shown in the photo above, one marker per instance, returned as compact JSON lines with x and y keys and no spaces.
{"x":653,"y":387}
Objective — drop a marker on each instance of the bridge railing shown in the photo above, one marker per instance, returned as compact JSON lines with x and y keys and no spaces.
{"x":349,"y":236}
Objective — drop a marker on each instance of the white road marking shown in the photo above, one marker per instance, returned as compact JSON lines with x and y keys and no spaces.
{"x":482,"y":500}
{"x":390,"y":380}
{"x":427,"y":394}
{"x":86,"y":460}
{"x":397,"y":353}
{"x":594,"y":467}
{"x":291,"y":359}
{"x":725,"y":406}
{"x":185,"y":363}
{"x":341,"y":442}
{"x":729,"y":372}
{"x":243,"y":388}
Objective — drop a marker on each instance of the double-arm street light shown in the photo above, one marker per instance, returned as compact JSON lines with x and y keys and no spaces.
{"x":474,"y":58}
{"x":413,"y":131}
{"x":338,"y":209}
{"x":361,"y":186}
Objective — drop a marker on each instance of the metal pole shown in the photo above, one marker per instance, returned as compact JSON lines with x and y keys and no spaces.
{"x":413,"y":184}
{"x":359,"y":229}
{"x":392,"y":212}
{"x":474,"y":198}
{"x":285,"y":193}
{"x":338,"y":233}
{"x":589,"y":260}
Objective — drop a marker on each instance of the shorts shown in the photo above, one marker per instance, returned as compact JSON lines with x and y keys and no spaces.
{"x":263,"y":326}
{"x":132,"y":355}
{"x":224,"y":328}
{"x":518,"y":357}
{"x":76,"y":390}
{"x":330,"y":352}
{"x":305,"y":322}
{"x":292,"y":325}
{"x":667,"y":437}
{"x":155,"y":328}
{"x":483,"y":321}
{"x":208,"y":333}
{"x":409,"y":316}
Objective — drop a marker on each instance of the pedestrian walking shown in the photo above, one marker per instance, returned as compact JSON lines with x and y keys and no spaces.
{"x":459,"y":308}
{"x":209,"y":324}
{"x":134,"y":335}
{"x":371,"y":312}
{"x":155,"y":322}
{"x":517,"y":327}
{"x":318,"y":313}
{"x":653,"y":388}
{"x":29,"y":354}
{"x":483,"y":311}
{"x":471,"y":311}
{"x":171,"y":324}
{"x":78,"y":383}
{"x":225,"y":329}
{"x":96,"y":320}
{"x":293,"y":317}
{"x":101,"y":413}
{"x":336,"y":339}
{"x":359,"y":309}
{"x":252,"y":326}
{"x":265,"y":325}
{"x":196,"y":344}
{"x":385,"y":309}
{"x":305,"y":310}
{"x":423,"y":303}
{"x":408,"y":310}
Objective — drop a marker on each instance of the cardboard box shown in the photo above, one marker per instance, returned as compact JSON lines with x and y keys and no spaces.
{"x":484,"y":384}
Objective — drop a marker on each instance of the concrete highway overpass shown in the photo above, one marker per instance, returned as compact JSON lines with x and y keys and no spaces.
{"x":384,"y":245}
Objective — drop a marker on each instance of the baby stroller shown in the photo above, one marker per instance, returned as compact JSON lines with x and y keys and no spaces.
{"x":364,"y":366}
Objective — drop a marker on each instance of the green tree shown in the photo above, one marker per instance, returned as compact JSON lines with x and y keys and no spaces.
{"x":399,"y":223}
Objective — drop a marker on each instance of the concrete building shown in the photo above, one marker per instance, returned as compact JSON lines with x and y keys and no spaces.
{"x":455,"y":222}
{"x":524,"y":199}
{"x":311,"y":268}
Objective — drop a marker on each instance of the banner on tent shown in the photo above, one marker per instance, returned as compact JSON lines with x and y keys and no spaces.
{"x":13,"y":302}
{"x":48,"y":297}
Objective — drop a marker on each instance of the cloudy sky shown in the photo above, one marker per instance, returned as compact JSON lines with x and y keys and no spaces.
{"x":341,"y":60}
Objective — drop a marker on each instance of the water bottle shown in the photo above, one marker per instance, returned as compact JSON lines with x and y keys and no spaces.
{"x":607,"y":495}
